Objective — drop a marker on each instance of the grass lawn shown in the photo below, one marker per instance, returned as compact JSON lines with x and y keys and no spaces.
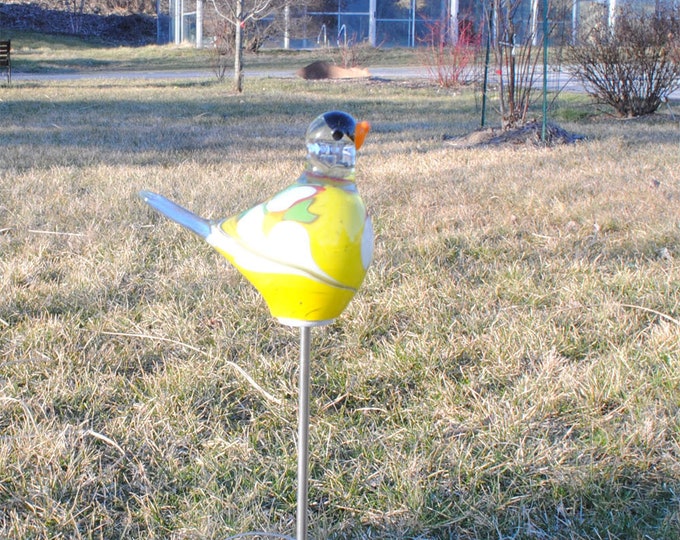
{"x":510,"y":368}
{"x":41,"y":53}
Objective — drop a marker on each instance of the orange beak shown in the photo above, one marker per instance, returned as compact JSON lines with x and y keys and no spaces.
{"x":360,"y":132}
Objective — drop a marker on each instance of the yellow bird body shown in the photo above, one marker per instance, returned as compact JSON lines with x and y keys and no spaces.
{"x":307,"y":248}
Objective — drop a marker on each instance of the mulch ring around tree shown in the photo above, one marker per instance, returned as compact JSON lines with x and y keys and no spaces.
{"x":530,"y":134}
{"x":326,"y":70}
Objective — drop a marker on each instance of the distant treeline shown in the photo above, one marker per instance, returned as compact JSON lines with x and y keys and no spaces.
{"x":127,"y":29}
{"x":97,"y":7}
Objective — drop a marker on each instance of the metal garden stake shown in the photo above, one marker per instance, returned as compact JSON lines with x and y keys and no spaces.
{"x":306,"y":249}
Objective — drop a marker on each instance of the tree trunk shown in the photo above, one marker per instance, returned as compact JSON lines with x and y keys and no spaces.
{"x":499,"y":53}
{"x":286,"y":30}
{"x":238,"y":48}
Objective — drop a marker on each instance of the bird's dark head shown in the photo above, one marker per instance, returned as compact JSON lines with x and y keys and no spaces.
{"x":332,"y":141}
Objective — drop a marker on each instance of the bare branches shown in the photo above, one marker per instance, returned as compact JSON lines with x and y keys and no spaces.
{"x":517,"y":55}
{"x":251,"y":10}
{"x":238,"y":14}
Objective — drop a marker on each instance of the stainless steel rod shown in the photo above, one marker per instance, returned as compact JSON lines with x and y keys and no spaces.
{"x":303,"y":433}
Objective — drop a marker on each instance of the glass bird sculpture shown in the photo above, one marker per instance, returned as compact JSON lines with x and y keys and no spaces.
{"x":307,"y":248}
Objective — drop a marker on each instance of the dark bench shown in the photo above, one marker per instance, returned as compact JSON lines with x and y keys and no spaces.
{"x":5,"y":60}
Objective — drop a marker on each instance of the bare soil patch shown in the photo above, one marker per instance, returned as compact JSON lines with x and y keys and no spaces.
{"x":326,"y":70}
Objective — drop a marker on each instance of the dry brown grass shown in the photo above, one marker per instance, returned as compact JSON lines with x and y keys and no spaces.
{"x":509,"y":370}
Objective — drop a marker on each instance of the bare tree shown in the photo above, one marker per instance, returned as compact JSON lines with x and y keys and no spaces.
{"x":517,"y":52}
{"x":75,"y":9}
{"x":518,"y":30}
{"x":238,"y":14}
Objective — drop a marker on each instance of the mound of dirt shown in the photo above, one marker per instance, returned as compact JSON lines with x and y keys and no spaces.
{"x":530,"y":134}
{"x":325,"y":70}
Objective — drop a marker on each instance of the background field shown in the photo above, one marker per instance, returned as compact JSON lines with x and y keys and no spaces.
{"x":43,"y":53}
{"x":509,"y":369}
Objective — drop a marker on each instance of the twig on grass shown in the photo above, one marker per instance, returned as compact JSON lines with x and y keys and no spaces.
{"x":27,"y":411}
{"x":28,"y":360}
{"x":655,"y":312}
{"x":233,"y":365}
{"x":105,"y":439}
{"x":56,"y":233}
